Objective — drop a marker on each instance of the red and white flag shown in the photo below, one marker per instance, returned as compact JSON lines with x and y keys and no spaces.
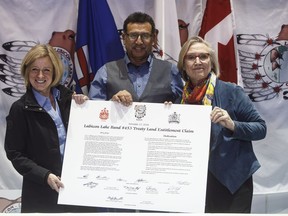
{"x":217,"y":29}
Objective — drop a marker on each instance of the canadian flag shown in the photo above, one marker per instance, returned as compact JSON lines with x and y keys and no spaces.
{"x":217,"y":29}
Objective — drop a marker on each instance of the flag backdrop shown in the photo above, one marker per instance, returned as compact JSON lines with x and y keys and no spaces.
{"x":165,"y":16}
{"x":261,"y":48}
{"x":21,"y":28}
{"x":262,"y":38}
{"x":189,"y":22}
{"x":217,"y":28}
{"x":97,"y":41}
{"x":23,"y":25}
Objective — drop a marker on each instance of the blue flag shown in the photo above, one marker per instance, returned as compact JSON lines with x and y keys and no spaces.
{"x":97,"y":41}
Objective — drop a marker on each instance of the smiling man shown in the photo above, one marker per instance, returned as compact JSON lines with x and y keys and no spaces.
{"x":139,"y":76}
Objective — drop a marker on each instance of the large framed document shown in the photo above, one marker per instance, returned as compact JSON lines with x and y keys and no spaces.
{"x":146,"y":156}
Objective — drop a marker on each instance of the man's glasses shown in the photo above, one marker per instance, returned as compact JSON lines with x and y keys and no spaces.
{"x":143,"y":36}
{"x":202,"y":57}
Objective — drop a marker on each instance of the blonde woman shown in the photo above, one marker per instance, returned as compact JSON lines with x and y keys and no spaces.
{"x":36,"y":131}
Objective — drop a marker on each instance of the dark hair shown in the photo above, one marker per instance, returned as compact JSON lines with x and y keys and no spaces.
{"x":139,"y":17}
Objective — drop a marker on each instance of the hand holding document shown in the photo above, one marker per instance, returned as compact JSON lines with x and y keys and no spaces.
{"x":146,"y":156}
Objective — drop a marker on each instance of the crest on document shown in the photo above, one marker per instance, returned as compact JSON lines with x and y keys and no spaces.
{"x":174,"y":118}
{"x":140,"y":111}
{"x":264,"y":67}
{"x":104,"y":114}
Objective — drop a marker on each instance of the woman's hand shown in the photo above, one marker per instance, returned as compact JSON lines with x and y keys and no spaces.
{"x":222,"y":117}
{"x":54,"y":182}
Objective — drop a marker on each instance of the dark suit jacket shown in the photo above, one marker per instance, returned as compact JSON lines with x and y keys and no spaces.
{"x":32,"y":145}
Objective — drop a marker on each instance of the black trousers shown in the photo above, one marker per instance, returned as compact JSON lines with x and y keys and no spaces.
{"x":220,"y":200}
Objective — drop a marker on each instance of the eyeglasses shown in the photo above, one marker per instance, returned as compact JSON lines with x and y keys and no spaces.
{"x":202,"y":57}
{"x":36,"y":70}
{"x":134,"y":36}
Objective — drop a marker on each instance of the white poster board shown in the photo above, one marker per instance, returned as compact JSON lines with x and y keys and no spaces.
{"x":146,"y":156}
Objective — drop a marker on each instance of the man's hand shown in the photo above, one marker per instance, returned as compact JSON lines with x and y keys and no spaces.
{"x":123,"y":97}
{"x":79,"y":98}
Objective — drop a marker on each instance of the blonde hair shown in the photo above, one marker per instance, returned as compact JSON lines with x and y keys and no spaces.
{"x":184,"y":50}
{"x":40,"y":51}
